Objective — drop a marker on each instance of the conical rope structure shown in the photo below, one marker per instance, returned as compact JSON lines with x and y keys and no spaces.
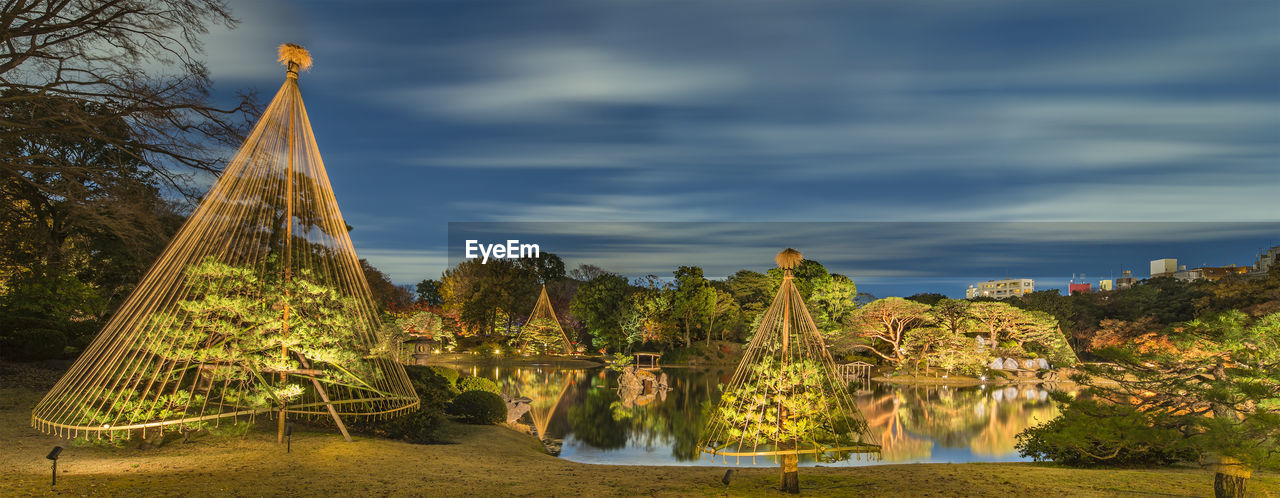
{"x":542,"y":330}
{"x":257,"y":305}
{"x":786,"y":398}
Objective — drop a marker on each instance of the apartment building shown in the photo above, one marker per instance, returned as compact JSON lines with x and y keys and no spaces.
{"x":1001,"y":289}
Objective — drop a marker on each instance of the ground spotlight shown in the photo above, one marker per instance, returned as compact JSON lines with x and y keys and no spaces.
{"x":725,"y":479}
{"x":288,"y":437}
{"x":53,"y":457}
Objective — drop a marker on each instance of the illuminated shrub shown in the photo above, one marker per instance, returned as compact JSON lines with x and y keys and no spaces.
{"x":750,"y":411}
{"x":449,"y":374}
{"x":478,"y":384}
{"x":479,"y":407}
{"x":420,"y":425}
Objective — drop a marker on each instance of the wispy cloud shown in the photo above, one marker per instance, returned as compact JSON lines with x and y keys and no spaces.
{"x":546,"y":82}
{"x":822,"y":111}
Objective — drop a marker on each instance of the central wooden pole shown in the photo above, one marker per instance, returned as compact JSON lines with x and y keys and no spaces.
{"x":790,"y":462}
{"x":288,"y":248}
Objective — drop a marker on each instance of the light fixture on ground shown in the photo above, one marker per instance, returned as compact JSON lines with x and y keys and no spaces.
{"x":53,"y":457}
{"x":288,"y":436}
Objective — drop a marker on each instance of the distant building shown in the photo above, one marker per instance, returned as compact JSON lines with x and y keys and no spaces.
{"x":1126,"y":280}
{"x":1164,"y":267}
{"x":1083,"y":288}
{"x":1106,"y":285}
{"x":1185,"y":275}
{"x":1214,"y":273}
{"x":1266,"y":260}
{"x":1001,"y":289}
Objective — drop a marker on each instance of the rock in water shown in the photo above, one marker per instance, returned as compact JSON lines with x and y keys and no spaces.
{"x":1042,"y":363}
{"x":996,"y":364}
{"x":553,"y":446}
{"x":516,"y":407}
{"x":1010,"y":364}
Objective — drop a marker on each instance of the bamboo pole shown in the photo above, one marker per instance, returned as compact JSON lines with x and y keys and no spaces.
{"x":325,"y":397}
{"x":291,"y":73}
{"x":790,"y":480}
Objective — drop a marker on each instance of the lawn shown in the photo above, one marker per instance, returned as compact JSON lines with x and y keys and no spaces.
{"x":488,"y":461}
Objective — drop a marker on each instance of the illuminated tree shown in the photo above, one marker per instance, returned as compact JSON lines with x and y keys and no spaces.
{"x":941,"y":348}
{"x":785,"y":398}
{"x":1031,"y":331}
{"x":257,"y":305}
{"x":885,"y":322}
{"x":542,"y":331}
{"x":1207,"y":388}
{"x":694,"y":300}
{"x":601,"y":304}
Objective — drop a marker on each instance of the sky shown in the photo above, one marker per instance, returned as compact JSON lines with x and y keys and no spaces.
{"x":763,"y":124}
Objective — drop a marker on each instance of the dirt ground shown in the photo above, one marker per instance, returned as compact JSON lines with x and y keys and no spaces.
{"x":493,"y":461}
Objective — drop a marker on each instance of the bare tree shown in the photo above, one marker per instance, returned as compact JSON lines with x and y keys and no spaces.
{"x":82,"y":67}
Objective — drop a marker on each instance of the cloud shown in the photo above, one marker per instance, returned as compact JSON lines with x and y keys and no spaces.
{"x":865,"y":249}
{"x":248,"y":52}
{"x":545,"y":81}
{"x":587,"y":207}
{"x":827,"y":111}
{"x":406,"y":265}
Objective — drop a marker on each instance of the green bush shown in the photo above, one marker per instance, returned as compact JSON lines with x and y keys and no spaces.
{"x":34,"y":344}
{"x":478,"y":384}
{"x":479,"y":407}
{"x":420,"y":424}
{"x":435,"y":390}
{"x":449,"y":374}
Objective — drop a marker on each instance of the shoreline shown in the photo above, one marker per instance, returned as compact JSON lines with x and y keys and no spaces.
{"x":492,"y":461}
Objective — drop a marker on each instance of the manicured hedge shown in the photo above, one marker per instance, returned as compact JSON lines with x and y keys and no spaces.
{"x":479,"y":407}
{"x":478,"y":384}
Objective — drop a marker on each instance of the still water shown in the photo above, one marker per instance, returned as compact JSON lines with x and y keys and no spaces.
{"x":911,"y":423}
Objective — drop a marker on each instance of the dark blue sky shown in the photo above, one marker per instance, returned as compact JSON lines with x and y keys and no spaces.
{"x":430,"y":112}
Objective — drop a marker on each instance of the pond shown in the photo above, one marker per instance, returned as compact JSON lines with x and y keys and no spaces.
{"x":911,"y":423}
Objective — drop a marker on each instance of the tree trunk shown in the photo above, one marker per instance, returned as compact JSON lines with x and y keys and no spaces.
{"x":1230,"y":477}
{"x":790,"y":474}
{"x":1229,"y":486}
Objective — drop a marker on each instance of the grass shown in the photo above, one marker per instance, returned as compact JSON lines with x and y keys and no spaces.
{"x":496,"y":461}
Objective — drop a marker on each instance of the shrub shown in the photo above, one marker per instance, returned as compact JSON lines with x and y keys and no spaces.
{"x":468,"y":384}
{"x":447,"y":373}
{"x":34,"y":344}
{"x":433,"y":388}
{"x":420,"y":424}
{"x":621,"y":361}
{"x":479,"y":407}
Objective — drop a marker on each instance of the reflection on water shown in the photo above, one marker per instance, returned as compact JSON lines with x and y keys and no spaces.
{"x":912,"y":424}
